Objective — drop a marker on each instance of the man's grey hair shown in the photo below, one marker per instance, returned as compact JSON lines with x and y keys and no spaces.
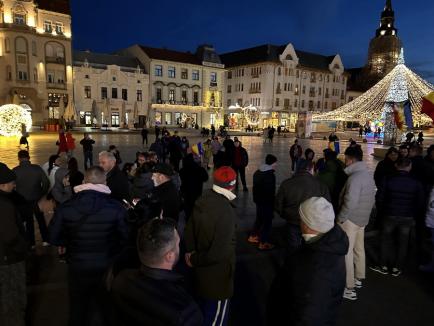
{"x":95,"y":175}
{"x":108,"y":155}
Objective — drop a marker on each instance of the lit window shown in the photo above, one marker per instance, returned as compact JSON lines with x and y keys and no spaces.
{"x":19,"y":19}
{"x":59,"y":28}
{"x":47,"y":26}
{"x":139,"y":95}
{"x":171,"y":72}
{"x":213,"y":77}
{"x":158,"y":70}
{"x":195,"y":75}
{"x":87,"y":92}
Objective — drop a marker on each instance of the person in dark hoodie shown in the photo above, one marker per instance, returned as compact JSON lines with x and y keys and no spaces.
{"x":264,"y":190}
{"x":116,"y":180}
{"x":308,"y":291}
{"x":386,"y":167}
{"x":92,"y":227}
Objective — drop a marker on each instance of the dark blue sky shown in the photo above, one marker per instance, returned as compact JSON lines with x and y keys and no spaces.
{"x":322,"y":26}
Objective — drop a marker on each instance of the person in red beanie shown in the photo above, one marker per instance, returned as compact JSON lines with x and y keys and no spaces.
{"x":210,"y":244}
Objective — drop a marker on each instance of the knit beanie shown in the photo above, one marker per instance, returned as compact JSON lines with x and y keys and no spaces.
{"x":225,"y":177}
{"x":317,"y":213}
{"x":6,"y":174}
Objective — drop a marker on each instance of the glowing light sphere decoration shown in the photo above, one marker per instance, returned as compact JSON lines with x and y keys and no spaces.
{"x":12,"y":118}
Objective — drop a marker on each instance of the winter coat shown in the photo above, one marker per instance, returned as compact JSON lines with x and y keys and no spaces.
{"x":192,"y":177}
{"x":309,"y":291}
{"x":215,"y":146}
{"x":157,"y":148}
{"x":293,"y":191}
{"x":32,"y":182}
{"x":422,"y":171}
{"x":167,"y":195}
{"x":87,"y":144}
{"x":264,"y":186}
{"x":12,"y":243}
{"x":96,"y":242}
{"x":401,"y":195}
{"x":142,"y":185}
{"x":154,"y":297}
{"x":70,"y":141}
{"x":295,"y":152}
{"x":243,"y":157}
{"x":118,"y":184}
{"x":358,"y":195}
{"x":385,"y":168}
{"x":334,"y":177}
{"x":429,"y":218}
{"x":63,"y":145}
{"x":60,"y":192}
{"x":210,"y":235}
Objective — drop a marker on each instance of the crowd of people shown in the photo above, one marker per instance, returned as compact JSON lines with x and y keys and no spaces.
{"x":130,"y":231}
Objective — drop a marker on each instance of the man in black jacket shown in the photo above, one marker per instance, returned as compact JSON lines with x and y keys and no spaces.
{"x":264,"y":190}
{"x":87,"y":144}
{"x":13,"y":295}
{"x":154,"y":294}
{"x":240,"y":162}
{"x":116,"y":180}
{"x":165,"y":192}
{"x":92,"y":227}
{"x":309,"y":289}
{"x":400,"y":199}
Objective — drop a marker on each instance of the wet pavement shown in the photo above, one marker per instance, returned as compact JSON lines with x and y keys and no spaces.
{"x":406,"y":300}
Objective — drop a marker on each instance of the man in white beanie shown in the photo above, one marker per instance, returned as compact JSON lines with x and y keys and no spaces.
{"x":313,"y":279}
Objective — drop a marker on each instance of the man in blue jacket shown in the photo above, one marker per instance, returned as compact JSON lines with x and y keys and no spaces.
{"x":92,"y":227}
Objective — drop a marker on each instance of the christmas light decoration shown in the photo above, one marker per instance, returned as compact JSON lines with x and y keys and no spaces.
{"x":399,"y":85}
{"x":12,"y":118}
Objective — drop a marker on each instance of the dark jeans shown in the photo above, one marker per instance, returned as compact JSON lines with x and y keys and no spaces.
{"x":175,"y":163}
{"x":145,"y":139}
{"x":29,"y":210}
{"x":241,"y":171}
{"x":88,"y":156}
{"x":293,"y":163}
{"x":263,"y":222}
{"x":86,"y":297}
{"x":392,"y":254}
{"x":294,"y":238}
{"x":215,"y":312}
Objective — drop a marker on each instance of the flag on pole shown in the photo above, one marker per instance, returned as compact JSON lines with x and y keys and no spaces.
{"x":428,"y":105}
{"x":197,"y":149}
{"x":398,"y":114}
{"x":408,"y":115}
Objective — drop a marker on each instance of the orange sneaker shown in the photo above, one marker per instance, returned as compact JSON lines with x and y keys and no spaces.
{"x":266,"y":246}
{"x":253,"y":239}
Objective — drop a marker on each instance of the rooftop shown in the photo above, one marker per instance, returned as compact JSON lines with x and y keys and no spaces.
{"x":101,"y":60}
{"x":60,"y":6}
{"x":171,"y":55}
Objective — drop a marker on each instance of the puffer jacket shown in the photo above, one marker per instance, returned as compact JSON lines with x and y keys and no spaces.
{"x":264,"y":185}
{"x":430,"y":211}
{"x":358,"y":195}
{"x":97,"y":241}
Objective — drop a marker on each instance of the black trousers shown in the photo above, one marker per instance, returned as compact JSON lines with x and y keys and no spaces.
{"x":29,"y":210}
{"x":145,"y":139}
{"x":241,"y":171}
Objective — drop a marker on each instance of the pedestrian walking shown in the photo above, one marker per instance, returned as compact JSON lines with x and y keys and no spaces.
{"x":264,"y":190}
{"x":360,"y":132}
{"x":70,"y":143}
{"x":212,"y":131}
{"x":400,"y":199}
{"x":271,"y":132}
{"x":144,"y":134}
{"x":239,"y":164}
{"x":32,"y":184}
{"x":116,"y":180}
{"x":13,"y":296}
{"x":154,"y":294}
{"x":157,"y":132}
{"x":92,"y":227}
{"x":61,"y":142}
{"x":308,"y":290}
{"x":292,"y":192}
{"x":61,"y":190}
{"x":295,"y":153}
{"x":87,"y":143}
{"x":356,"y":202}
{"x":24,"y":136}
{"x":207,"y":154}
{"x":210,"y":244}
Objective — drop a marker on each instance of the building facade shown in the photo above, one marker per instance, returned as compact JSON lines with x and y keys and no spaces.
{"x":35,"y":56}
{"x":185,"y":89}
{"x":110,"y":90}
{"x":281,"y":82}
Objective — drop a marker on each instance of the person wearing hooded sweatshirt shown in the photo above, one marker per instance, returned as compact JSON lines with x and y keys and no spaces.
{"x":386,"y":167}
{"x":356,"y":202}
{"x":92,"y":227}
{"x":264,"y":190}
{"x":308,"y":290}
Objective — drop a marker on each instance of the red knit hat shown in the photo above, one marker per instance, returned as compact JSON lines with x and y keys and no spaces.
{"x":225,"y":177}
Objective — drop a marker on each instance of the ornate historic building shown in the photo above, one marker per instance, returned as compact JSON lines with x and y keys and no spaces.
{"x":35,"y":56}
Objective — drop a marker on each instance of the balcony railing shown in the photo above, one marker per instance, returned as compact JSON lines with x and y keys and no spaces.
{"x":278,"y":91}
{"x":255,"y":75}
{"x":170,"y":102}
{"x":56,"y":85}
{"x":59,"y":60}
{"x":213,"y":84}
{"x":255,"y":90}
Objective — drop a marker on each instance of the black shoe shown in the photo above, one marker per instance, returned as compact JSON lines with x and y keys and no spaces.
{"x":380,"y":269}
{"x":245,"y":189}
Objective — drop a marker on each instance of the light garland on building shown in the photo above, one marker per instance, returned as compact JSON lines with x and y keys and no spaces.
{"x":399,"y":85}
{"x":12,"y":118}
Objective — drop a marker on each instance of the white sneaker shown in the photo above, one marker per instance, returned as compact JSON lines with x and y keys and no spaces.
{"x":358,"y":284}
{"x":45,"y":244}
{"x":350,"y":294}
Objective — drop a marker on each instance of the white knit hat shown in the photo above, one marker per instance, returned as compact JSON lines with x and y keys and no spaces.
{"x":317,"y":213}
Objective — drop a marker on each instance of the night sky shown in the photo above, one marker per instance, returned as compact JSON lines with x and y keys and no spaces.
{"x":322,"y":26}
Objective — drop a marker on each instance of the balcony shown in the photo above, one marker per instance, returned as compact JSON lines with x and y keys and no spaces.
{"x":312,"y":94}
{"x":278,"y":91}
{"x":342,"y":97}
{"x":56,"y":85}
{"x":327,"y":96}
{"x":58,"y":60}
{"x":255,"y":91}
{"x":255,"y":75}
{"x":213,"y":84}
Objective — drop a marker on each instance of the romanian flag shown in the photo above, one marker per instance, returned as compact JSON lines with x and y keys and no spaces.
{"x":398,"y":114}
{"x":428,"y":105}
{"x":408,"y":115}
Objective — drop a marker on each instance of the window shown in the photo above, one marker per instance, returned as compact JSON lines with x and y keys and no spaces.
{"x":168,"y":118}
{"x":196,"y":98}
{"x":229,"y":102}
{"x":22,"y":75}
{"x":19,"y":19}
{"x":103,"y":93}
{"x":296,"y":90}
{"x":184,"y":73}
{"x":8,"y":72}
{"x":114,"y":93}
{"x":172,"y":96}
{"x":319,"y":105}
{"x":277,"y":101}
{"x":297,"y":74}
{"x":158,"y":117}
{"x":310,"y":104}
{"x":279,"y":71}
{"x":333,"y":105}
{"x":7,"y":44}
{"x":295,"y":103}
{"x":184,"y":97}
{"x":303,"y":91}
{"x":195,"y":75}
{"x":59,"y":28}
{"x":302,"y":103}
{"x":325,"y":105}
{"x":86,"y":76}
{"x":158,"y":94}
{"x":47,"y":26}
{"x":177,"y":118}
{"x":229,"y":74}
{"x":35,"y":75}
{"x":158,"y":70}
{"x":124,"y":94}
{"x":50,"y":77}
{"x":139,"y":95}
{"x":87,"y":92}
{"x":319,"y":90}
{"x":171,"y":72}
{"x":213,"y":77}
{"x":229,"y":88}
{"x":286,"y":103}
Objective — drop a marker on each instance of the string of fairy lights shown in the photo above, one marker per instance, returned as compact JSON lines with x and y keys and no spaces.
{"x":12,"y":118}
{"x":397,"y":86}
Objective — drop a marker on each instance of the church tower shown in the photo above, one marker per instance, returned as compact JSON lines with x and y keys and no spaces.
{"x":384,"y":48}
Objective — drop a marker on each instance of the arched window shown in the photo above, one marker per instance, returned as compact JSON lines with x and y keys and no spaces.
{"x":20,"y":15}
{"x":55,"y":51}
{"x":35,"y":75}
{"x":7,"y":45}
{"x":8,"y":72}
{"x":21,"y":54}
{"x":20,"y":45}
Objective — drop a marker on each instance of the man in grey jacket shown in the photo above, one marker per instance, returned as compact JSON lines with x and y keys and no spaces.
{"x":32,"y":184}
{"x":356,"y":202}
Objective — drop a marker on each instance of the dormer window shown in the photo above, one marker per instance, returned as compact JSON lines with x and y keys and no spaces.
{"x":48,"y":27}
{"x":19,"y":18}
{"x":59,"y":28}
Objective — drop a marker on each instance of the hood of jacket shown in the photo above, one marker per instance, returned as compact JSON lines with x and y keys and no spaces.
{"x":356,"y":167}
{"x":265,"y":168}
{"x":333,"y":242}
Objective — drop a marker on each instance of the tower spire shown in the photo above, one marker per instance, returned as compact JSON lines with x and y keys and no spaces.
{"x":388,"y":5}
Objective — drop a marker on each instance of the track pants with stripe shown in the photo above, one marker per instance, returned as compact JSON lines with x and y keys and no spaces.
{"x":215,"y":312}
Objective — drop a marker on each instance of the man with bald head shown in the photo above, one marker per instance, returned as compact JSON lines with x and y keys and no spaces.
{"x":92,"y":227}
{"x":116,"y":180}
